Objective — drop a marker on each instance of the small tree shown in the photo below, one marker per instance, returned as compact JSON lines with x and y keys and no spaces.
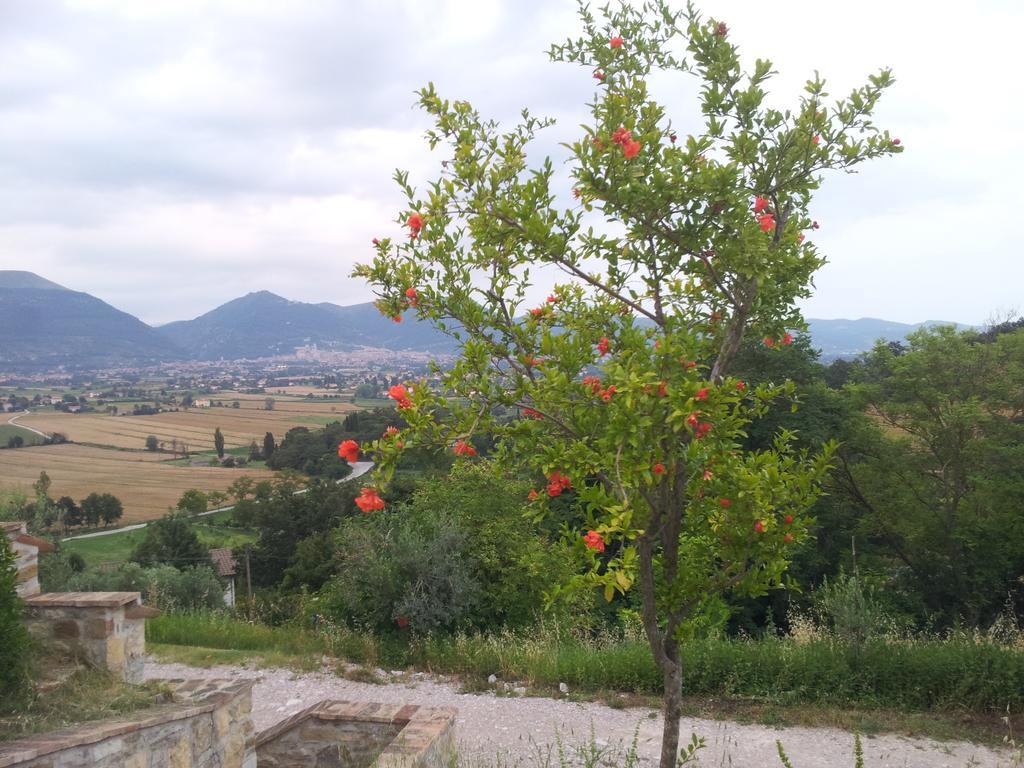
{"x":677,"y":248}
{"x":216,"y":499}
{"x":218,"y":442}
{"x":269,"y":403}
{"x":152,"y":443}
{"x":70,"y":513}
{"x":269,"y":446}
{"x":101,"y":506}
{"x":170,"y":540}
{"x":193,"y":501}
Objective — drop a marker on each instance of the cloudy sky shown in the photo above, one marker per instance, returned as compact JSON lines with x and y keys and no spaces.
{"x":170,"y":155}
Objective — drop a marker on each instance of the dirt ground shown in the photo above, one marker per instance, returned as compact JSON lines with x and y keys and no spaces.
{"x":513,"y":731}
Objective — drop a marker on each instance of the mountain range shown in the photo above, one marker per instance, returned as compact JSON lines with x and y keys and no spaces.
{"x":44,"y":325}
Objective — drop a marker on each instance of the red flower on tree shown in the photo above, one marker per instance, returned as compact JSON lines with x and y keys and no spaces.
{"x":702,"y":430}
{"x":532,"y":414}
{"x":761,"y":203}
{"x":557,"y":482}
{"x":369,"y":500}
{"x":603,"y":346}
{"x":606,"y":395}
{"x":702,"y":394}
{"x":532,"y":496}
{"x":693,"y":419}
{"x":725,"y":503}
{"x":788,"y":538}
{"x":766,"y":222}
{"x":708,"y":474}
{"x":630,"y":149}
{"x":402,"y":622}
{"x":615,"y":42}
{"x":399,"y":394}
{"x":816,"y":140}
{"x":621,"y":136}
{"x":390,"y":431}
{"x":769,"y":341}
{"x":415,"y":224}
{"x":412,"y":296}
{"x":759,"y":526}
{"x":376,"y":241}
{"x":658,"y":469}
{"x":594,"y":541}
{"x":349,"y":451}
{"x":599,"y":75}
{"x":396,"y":318}
{"x":788,"y":519}
{"x":462,"y":448}
{"x":594,"y":382}
{"x":787,"y":339}
{"x":740,"y":386}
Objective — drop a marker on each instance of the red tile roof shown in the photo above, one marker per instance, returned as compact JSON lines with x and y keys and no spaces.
{"x":224,"y":562}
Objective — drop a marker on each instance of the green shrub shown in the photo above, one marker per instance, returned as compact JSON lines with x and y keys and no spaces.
{"x":170,"y":589}
{"x":189,"y":589}
{"x":14,"y":639}
{"x":459,"y":555}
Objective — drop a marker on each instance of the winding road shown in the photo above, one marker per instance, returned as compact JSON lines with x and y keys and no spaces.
{"x":13,"y":421}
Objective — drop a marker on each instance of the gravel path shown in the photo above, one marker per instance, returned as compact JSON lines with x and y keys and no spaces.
{"x":511,"y":727}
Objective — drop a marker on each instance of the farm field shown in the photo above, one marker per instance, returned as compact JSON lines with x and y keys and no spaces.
{"x":195,"y":426}
{"x":144,"y":483}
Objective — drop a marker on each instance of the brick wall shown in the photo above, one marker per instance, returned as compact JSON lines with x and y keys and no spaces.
{"x":358,"y":735}
{"x":208,"y":726}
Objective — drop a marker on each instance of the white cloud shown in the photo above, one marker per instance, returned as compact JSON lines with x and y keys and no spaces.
{"x":221,"y":147}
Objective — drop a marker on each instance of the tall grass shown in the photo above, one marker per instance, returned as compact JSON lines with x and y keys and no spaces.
{"x":955,"y":673}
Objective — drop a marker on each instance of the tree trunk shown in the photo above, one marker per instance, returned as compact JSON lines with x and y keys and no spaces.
{"x":672,"y":678}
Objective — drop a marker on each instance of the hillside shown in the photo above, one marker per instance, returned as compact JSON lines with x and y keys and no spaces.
{"x":848,"y":338}
{"x":263,"y":324}
{"x":46,"y":325}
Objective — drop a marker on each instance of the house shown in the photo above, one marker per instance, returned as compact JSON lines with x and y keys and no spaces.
{"x":226,"y":566}
{"x":26,"y":556}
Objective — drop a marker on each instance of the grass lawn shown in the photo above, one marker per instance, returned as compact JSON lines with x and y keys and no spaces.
{"x":118,"y":547}
{"x":7,"y":431}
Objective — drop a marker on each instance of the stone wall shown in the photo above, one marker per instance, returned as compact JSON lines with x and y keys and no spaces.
{"x":209,"y":725}
{"x":360,"y":735}
{"x":104,"y":629}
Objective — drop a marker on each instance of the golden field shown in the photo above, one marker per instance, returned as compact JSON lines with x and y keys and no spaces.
{"x":148,"y":483}
{"x":195,"y":426}
{"x":144,"y":482}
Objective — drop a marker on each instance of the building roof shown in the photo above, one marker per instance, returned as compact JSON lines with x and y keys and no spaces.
{"x":224,"y":561}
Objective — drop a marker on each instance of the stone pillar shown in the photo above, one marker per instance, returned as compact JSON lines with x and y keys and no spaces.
{"x":26,"y":556}
{"x":104,"y":629}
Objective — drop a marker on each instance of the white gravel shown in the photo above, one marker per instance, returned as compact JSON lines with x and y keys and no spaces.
{"x":512,"y":728}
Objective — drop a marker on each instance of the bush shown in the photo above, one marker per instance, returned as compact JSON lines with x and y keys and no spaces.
{"x":190,"y":589}
{"x":14,"y":640}
{"x":459,"y":555}
{"x":195,"y":588}
{"x":58,"y":568}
